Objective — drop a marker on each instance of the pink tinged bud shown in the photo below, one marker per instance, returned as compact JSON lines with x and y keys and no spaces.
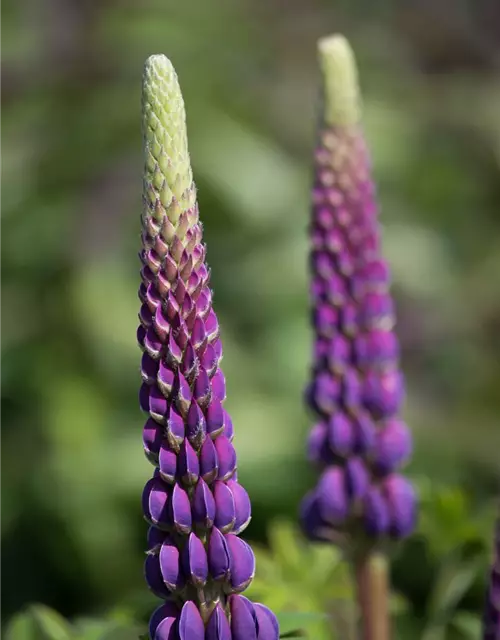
{"x":170,"y":565}
{"x":166,"y":614}
{"x":155,"y":498}
{"x":225,"y":513}
{"x":167,"y":463}
{"x":218,"y":626}
{"x":218,"y":556}
{"x":209,"y":466}
{"x":267,"y":623}
{"x":339,"y":354}
{"x":341,"y":434}
{"x":332,"y":496}
{"x":226,"y":456}
{"x":194,"y":561}
{"x":149,"y":368}
{"x":188,"y":467}
{"x":183,"y":395}
{"x":196,"y":428}
{"x":165,"y":379}
{"x":202,"y":391}
{"x":152,"y":343}
{"x":325,"y":320}
{"x":393,"y":446}
{"x":157,"y":404}
{"x":219,"y":385}
{"x":242,"y":563}
{"x":153,"y":576}
{"x":376,"y":275}
{"x":336,"y":290}
{"x":323,"y":394}
{"x":242,"y":619}
{"x":242,"y":506}
{"x":357,"y":479}
{"x":376,"y":513}
{"x":180,"y":510}
{"x":203,"y":505}
{"x":377,"y":310}
{"x":377,"y":349}
{"x":152,"y":436}
{"x":383,"y":393}
{"x":175,"y":428}
{"x":191,"y":625}
{"x":402,"y":505}
{"x":215,"y":418}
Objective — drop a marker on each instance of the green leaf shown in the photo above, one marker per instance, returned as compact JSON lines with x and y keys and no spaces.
{"x":468,"y":624}
{"x":39,"y":622}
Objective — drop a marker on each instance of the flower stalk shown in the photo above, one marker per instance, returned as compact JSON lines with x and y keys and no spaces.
{"x":359,"y":441}
{"x":196,"y":561}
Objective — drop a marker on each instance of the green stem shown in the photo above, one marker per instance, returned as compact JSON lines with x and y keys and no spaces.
{"x":373,"y":597}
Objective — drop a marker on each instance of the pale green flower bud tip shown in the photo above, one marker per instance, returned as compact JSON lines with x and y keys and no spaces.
{"x":340,"y":80}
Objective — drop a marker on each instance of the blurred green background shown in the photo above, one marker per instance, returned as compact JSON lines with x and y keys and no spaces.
{"x":72,"y":463}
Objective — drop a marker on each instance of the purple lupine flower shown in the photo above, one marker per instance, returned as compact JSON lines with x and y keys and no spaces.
{"x":491,"y":617}
{"x":357,"y":388}
{"x":196,"y":508}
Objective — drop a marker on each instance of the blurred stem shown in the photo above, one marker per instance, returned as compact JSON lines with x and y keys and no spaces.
{"x":372,"y":586}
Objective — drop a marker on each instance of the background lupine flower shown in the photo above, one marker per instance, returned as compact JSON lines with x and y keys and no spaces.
{"x":491,"y":619}
{"x":193,"y":502}
{"x":357,"y":387}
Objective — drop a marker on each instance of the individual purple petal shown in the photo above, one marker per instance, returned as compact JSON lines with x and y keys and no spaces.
{"x":318,"y":449}
{"x":153,"y":576}
{"x":383,"y":393}
{"x":228,"y":429}
{"x":202,"y":391}
{"x":203,"y":505}
{"x":196,"y":428}
{"x":311,"y":521}
{"x":226,"y":456}
{"x":152,"y":436}
{"x":167,"y":462}
{"x":352,"y":390}
{"x":325,"y":320}
{"x":242,"y":506}
{"x":215,"y":418}
{"x":149,"y":368}
{"x":170,"y":565}
{"x":243,"y":619}
{"x":166,"y":611}
{"x":225,"y":512}
{"x":194,"y":561}
{"x":332,"y":496}
{"x":209,"y":464}
{"x":155,"y":537}
{"x":357,"y":478}
{"x":144,"y":397}
{"x":376,"y":513}
{"x":218,"y":384}
{"x":155,"y":499}
{"x":180,"y":510}
{"x":339,"y":354}
{"x":267,"y":623}
{"x":189,"y":366}
{"x":323,"y":393}
{"x":157,"y":404}
{"x":188,"y":465}
{"x":341,"y":434}
{"x":242,"y":563}
{"x":218,"y":626}
{"x":364,"y":430}
{"x":152,"y":343}
{"x":393,"y":445}
{"x":183,"y":394}
{"x":218,"y":555}
{"x":402,"y":505}
{"x":199,"y":335}
{"x":191,"y":625}
{"x":349,"y":319}
{"x":175,"y":428}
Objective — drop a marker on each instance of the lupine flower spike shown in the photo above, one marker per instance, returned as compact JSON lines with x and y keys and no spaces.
{"x":356,"y":391}
{"x":491,"y":618}
{"x":196,"y":561}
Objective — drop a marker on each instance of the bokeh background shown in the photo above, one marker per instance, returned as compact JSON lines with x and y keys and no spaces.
{"x":72,"y":463}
